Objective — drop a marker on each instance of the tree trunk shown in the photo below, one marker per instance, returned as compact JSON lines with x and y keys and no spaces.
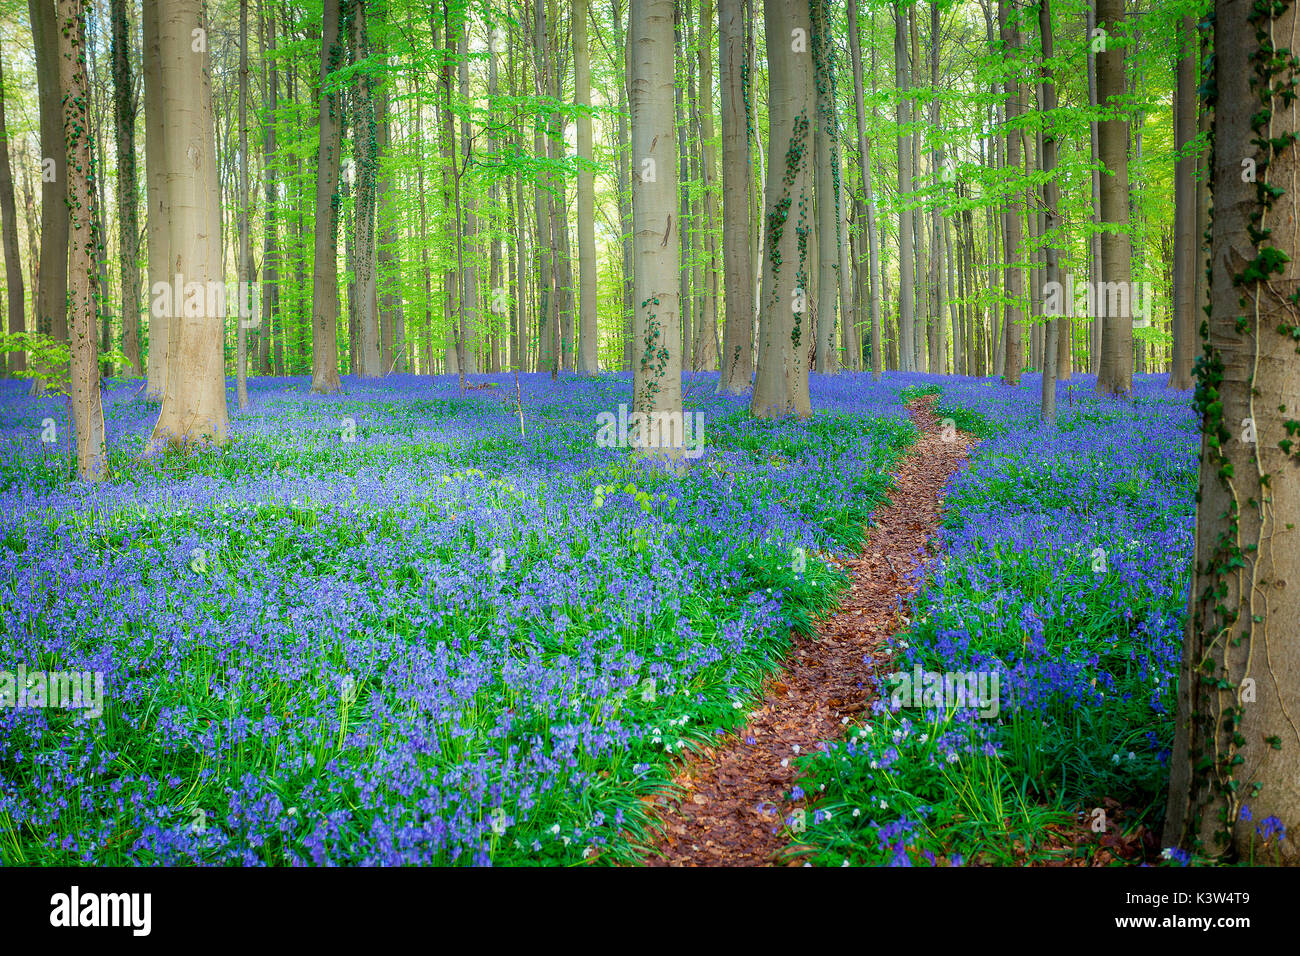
{"x":852,"y":359}
{"x":1014,"y":277}
{"x":1051,"y":205}
{"x":683,"y":194}
{"x":657,"y":367}
{"x":786,"y":336}
{"x":707,"y":338}
{"x":939,"y":345}
{"x":864,"y":170}
{"x":17,"y":360}
{"x":544,"y":276}
{"x":124,"y":114}
{"x":245,"y":249}
{"x":1235,"y":764}
{"x":1201,"y":297}
{"x":194,"y":399}
{"x":1186,"y":241}
{"x":392,"y":332}
{"x":961,"y":339}
{"x":425,"y":271}
{"x":365,"y":262}
{"x":824,"y":187}
{"x":1094,"y":240}
{"x":622,"y":66}
{"x":52,"y":289}
{"x":467,"y":249}
{"x":83,"y":390}
{"x":588,"y":339}
{"x":737,"y":371}
{"x":325,"y":278}
{"x":1115,"y":375}
{"x":906,"y":252}
{"x":270,"y":229}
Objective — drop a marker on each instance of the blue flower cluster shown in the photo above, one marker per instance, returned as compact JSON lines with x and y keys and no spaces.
{"x":1063,"y":572}
{"x":385,"y":627}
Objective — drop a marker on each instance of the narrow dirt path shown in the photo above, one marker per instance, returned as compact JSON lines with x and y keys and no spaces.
{"x":732,"y":806}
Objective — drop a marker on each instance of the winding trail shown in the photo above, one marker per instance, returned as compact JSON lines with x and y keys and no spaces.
{"x":731,"y":807}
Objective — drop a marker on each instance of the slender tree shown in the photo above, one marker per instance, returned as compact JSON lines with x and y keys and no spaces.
{"x":366,"y":158}
{"x":124,"y":114}
{"x":1111,"y":294}
{"x":159,"y":229}
{"x":622,"y":69}
{"x":83,"y":390}
{"x":325,"y":281}
{"x":786,"y":335}
{"x":588,"y":340}
{"x":1012,"y":227}
{"x":824,"y":144}
{"x":1186,"y":241}
{"x":17,"y":360}
{"x":1051,"y":205}
{"x":737,"y":370}
{"x":906,"y":252}
{"x":245,"y":247}
{"x":864,"y":171}
{"x":707,"y":344}
{"x":270,"y":225}
{"x":52,"y":289}
{"x":387,"y":214}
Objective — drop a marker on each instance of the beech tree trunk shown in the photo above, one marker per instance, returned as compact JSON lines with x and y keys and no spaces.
{"x":83,"y":389}
{"x":657,"y":360}
{"x":325,"y":279}
{"x":864,"y":170}
{"x":1186,"y":241}
{"x":544,"y":275}
{"x":124,"y":113}
{"x":270,"y":233}
{"x":467,"y":249}
{"x":1051,"y":206}
{"x":245,"y":249}
{"x":366,"y":148}
{"x":1115,"y":374}
{"x":826,"y":361}
{"x":159,"y":229}
{"x":1012,"y":227}
{"x":706,"y":348}
{"x":737,"y":372}
{"x":194,"y":398}
{"x":17,"y":360}
{"x":906,"y":252}
{"x":52,"y":288}
{"x":388,"y":268}
{"x":1235,"y":765}
{"x":786,"y":334}
{"x":588,"y":340}
{"x":623,"y":63}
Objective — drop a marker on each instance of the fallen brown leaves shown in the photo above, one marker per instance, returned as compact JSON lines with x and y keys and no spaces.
{"x":728,"y":807}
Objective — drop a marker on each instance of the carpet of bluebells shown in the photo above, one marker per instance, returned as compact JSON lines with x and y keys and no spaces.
{"x":383,"y":627}
{"x":1065,"y":570}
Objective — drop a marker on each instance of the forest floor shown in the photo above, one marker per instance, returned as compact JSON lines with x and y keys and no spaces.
{"x":386,"y":628}
{"x":738,"y":802}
